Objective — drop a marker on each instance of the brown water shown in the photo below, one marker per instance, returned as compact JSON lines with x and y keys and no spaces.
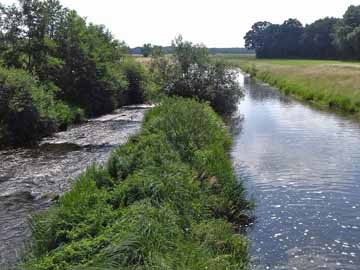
{"x":30,"y":179}
{"x":302,"y":168}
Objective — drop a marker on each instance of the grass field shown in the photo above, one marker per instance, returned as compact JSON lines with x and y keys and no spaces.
{"x":328,"y":84}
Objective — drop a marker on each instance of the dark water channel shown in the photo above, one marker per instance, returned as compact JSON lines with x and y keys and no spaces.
{"x":302,"y":167}
{"x":30,"y":179}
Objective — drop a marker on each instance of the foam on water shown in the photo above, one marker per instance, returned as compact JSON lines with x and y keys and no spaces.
{"x":30,"y":179}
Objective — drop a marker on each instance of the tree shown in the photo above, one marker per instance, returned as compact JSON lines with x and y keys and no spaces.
{"x":190,"y":73}
{"x":318,"y":40}
{"x":80,"y":68}
{"x":187,"y":54}
{"x":157,"y":51}
{"x":348,"y":34}
{"x":146,"y":50}
{"x":254,"y":39}
{"x":292,"y":40}
{"x":12,"y":35}
{"x":289,"y":39}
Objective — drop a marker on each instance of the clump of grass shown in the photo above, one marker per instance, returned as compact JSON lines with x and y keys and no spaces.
{"x":167,"y":199}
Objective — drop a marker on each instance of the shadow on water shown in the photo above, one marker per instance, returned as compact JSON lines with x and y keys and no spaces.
{"x":300,"y":165}
{"x":31,"y":179}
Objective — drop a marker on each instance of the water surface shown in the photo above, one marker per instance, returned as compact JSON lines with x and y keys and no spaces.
{"x":31,"y":179}
{"x":302,"y":167}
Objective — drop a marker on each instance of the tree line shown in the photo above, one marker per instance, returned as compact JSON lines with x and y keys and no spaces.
{"x":327,"y":38}
{"x":56,"y":68}
{"x":148,"y":50}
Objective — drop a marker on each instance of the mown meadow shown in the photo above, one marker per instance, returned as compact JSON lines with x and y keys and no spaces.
{"x":325,"y":83}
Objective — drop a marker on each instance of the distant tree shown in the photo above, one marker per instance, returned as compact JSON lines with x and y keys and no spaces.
{"x":292,"y":40}
{"x":318,"y":40}
{"x":12,"y":31}
{"x":273,"y":40}
{"x":254,"y":39}
{"x":348,"y":34}
{"x":146,"y":50}
{"x":186,"y":54}
{"x":291,"y":32}
{"x":157,"y":51}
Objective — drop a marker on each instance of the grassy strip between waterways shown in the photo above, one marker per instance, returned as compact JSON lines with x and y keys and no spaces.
{"x":168,"y":199}
{"x":327,"y":84}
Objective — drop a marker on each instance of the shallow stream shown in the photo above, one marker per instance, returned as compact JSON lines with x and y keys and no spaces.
{"x":31,"y":179}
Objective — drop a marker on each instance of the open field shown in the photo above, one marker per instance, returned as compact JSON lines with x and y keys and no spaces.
{"x":326,"y":83}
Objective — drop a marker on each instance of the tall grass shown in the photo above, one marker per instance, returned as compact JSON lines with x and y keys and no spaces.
{"x":329,"y":84}
{"x":167,"y":199}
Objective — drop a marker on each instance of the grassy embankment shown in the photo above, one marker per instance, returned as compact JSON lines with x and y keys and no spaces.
{"x":327,"y":84}
{"x":167,"y":199}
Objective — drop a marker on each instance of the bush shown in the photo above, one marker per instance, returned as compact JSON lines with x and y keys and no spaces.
{"x":29,"y":109}
{"x":190,"y":73}
{"x":19,"y":118}
{"x":140,"y":85}
{"x":155,"y":200}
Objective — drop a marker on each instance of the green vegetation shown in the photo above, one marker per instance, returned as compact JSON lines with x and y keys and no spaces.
{"x":327,"y":38}
{"x":80,"y":70}
{"x":331,"y":84}
{"x":56,"y":68}
{"x":190,"y":72}
{"x":167,"y":199}
{"x":147,"y":49}
{"x":29,"y":109}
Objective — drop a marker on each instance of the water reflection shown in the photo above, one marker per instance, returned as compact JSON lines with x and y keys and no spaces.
{"x":301,"y":166}
{"x":261,"y":92}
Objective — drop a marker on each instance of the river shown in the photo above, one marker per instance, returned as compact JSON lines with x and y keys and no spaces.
{"x":300,"y":165}
{"x":302,"y":168}
{"x":31,"y":179}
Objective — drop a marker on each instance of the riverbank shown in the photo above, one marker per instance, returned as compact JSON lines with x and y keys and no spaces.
{"x":31,"y":109}
{"x":169,"y":190}
{"x":31,"y":179}
{"x":326,"y":84}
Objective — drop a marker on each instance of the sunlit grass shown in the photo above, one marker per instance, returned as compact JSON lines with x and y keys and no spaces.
{"x":327,"y":83}
{"x":168,"y":199}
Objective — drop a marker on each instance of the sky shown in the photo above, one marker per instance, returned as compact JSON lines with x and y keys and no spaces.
{"x":215,"y":23}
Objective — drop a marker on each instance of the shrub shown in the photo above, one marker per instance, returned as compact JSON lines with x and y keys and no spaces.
{"x":19,"y":118}
{"x":190,"y":73}
{"x":29,"y":109}
{"x":140,"y":84}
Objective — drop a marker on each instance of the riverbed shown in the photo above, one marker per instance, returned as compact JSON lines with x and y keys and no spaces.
{"x":32,"y":179}
{"x":301,"y":166}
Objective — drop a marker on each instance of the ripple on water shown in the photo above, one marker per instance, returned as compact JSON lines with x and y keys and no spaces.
{"x":301,"y":167}
{"x":30,"y":179}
